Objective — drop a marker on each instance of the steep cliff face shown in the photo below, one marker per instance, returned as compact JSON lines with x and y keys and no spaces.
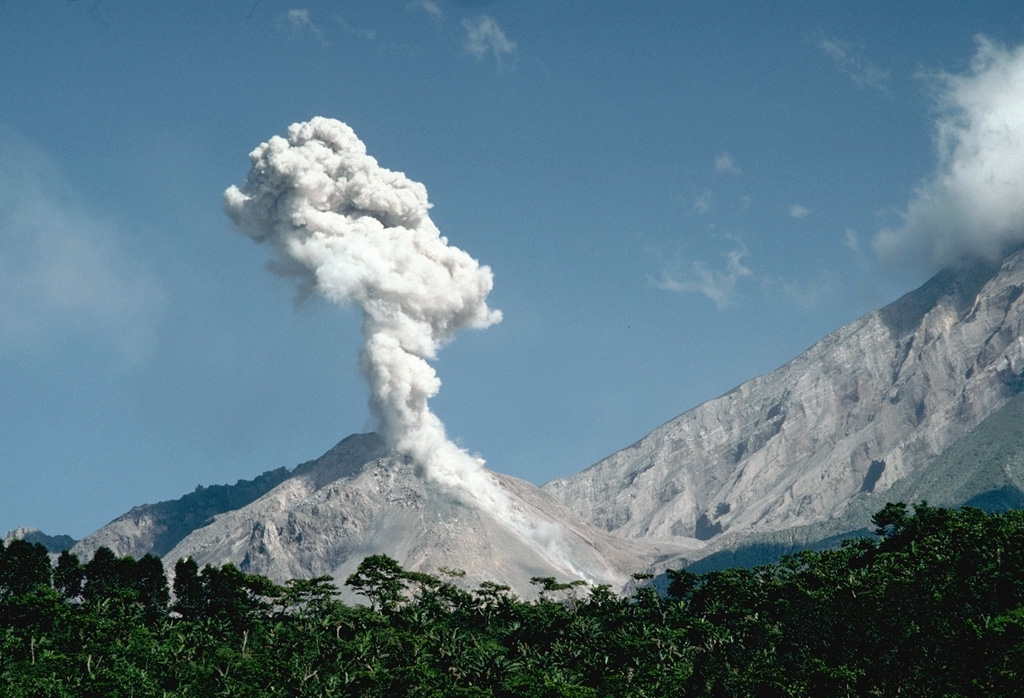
{"x":358,"y":500}
{"x":857,"y":412}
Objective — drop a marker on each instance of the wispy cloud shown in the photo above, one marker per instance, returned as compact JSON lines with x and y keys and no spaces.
{"x":719,"y":285}
{"x":973,"y":204}
{"x":65,"y":271}
{"x":724,"y":164}
{"x":297,"y":23}
{"x":798,"y":211}
{"x":367,"y":34}
{"x":484,"y":37}
{"x":430,"y":7}
{"x":850,"y":59}
{"x":802,"y":294}
{"x":702,"y":202}
{"x":851,"y":240}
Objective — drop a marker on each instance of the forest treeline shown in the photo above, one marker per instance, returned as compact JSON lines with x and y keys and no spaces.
{"x":934,"y":606}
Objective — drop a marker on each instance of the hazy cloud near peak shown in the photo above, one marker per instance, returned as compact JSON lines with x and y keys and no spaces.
{"x":484,"y":36}
{"x":973,"y":205}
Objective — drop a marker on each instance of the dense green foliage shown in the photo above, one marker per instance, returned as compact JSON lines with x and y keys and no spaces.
{"x":932,"y":607}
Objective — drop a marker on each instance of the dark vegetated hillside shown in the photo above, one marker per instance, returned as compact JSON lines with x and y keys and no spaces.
{"x":933,"y":605}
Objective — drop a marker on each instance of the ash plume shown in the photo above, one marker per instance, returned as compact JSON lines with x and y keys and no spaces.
{"x":360,"y":235}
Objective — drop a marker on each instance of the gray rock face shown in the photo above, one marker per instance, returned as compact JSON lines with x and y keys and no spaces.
{"x":358,"y":500}
{"x":857,"y":412}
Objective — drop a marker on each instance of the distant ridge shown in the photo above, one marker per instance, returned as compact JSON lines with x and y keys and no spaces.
{"x":54,"y":544}
{"x":157,"y":528}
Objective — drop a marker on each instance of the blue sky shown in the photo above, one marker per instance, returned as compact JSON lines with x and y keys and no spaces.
{"x":672,"y":200}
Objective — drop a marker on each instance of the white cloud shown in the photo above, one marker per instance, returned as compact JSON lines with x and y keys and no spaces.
{"x":974,"y":203}
{"x":724,"y":164}
{"x":717,"y":285}
{"x":484,"y":36}
{"x":849,"y":58}
{"x":65,"y":271}
{"x":798,"y":211}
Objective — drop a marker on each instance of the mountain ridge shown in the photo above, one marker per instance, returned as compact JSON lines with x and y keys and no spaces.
{"x":857,"y":411}
{"x":325,"y":519}
{"x":792,"y":458}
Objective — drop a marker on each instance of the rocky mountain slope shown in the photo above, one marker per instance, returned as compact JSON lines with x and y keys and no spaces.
{"x":873,"y":412}
{"x":156,"y":528}
{"x":860,"y":411}
{"x":984,"y":469}
{"x":359,"y":500}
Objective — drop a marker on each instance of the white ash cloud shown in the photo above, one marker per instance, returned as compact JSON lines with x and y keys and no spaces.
{"x":360,"y":235}
{"x":973,"y":206}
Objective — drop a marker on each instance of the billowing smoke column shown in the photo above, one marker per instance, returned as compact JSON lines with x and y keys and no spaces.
{"x":359,"y":234}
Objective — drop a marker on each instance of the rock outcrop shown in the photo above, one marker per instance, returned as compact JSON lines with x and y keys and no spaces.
{"x":856,"y":413}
